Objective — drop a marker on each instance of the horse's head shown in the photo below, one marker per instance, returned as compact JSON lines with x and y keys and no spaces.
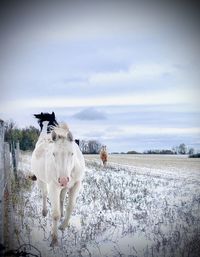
{"x":103,"y":148}
{"x":49,"y":117}
{"x":62,"y":153}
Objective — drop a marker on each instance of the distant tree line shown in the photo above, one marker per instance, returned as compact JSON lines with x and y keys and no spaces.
{"x":132,"y":152}
{"x":197,"y":155}
{"x":27,"y":137}
{"x":90,"y":146}
{"x":181,"y":149}
{"x":163,"y":151}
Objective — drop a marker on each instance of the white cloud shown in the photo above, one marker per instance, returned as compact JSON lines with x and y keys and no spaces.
{"x":157,"y":98}
{"x":90,"y":114}
{"x":145,"y":130}
{"x":108,"y":132}
{"x":133,"y":74}
{"x":134,"y":131}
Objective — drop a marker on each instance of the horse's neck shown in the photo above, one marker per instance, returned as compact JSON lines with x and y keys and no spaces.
{"x":44,"y":128}
{"x":44,"y":136}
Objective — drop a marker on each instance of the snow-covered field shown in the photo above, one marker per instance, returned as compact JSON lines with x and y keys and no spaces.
{"x":144,"y":207}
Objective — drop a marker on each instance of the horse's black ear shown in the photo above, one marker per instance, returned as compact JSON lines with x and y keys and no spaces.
{"x":37,"y":116}
{"x":70,"y":136}
{"x":53,"y":135}
{"x":53,"y":114}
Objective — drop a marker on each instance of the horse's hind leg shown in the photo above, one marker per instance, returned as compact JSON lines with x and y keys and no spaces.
{"x":43,"y":188}
{"x":62,"y":198}
{"x":73,"y":193}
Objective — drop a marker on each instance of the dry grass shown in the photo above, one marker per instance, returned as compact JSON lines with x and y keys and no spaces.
{"x":165,"y":162}
{"x":124,"y":212}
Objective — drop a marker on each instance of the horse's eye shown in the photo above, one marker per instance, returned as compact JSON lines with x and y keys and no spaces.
{"x":72,"y":154}
{"x":54,"y":155}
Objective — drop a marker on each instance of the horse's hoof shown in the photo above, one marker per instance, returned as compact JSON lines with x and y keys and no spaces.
{"x":32,"y":177}
{"x":63,"y":226}
{"x":54,"y":241}
{"x":44,"y":213}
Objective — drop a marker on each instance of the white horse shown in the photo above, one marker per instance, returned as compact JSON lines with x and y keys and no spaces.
{"x":59,"y":166}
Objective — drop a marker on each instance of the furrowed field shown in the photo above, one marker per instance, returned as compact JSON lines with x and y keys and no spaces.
{"x":139,"y":205}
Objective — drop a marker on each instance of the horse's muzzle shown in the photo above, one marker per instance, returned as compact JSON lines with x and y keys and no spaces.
{"x":63,"y":181}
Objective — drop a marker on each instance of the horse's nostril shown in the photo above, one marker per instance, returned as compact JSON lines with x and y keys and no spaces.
{"x":63,"y":181}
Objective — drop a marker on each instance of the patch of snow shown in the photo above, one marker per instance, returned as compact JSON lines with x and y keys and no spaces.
{"x":123,"y":210}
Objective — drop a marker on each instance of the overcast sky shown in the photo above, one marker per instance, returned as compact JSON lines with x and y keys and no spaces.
{"x":122,"y":72}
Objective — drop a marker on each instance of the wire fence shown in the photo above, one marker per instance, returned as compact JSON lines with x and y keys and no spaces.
{"x":9,"y":159}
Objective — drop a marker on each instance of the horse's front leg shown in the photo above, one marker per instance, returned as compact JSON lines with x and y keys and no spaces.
{"x":62,"y":198}
{"x":72,"y":195}
{"x":54,"y":196}
{"x":43,"y":188}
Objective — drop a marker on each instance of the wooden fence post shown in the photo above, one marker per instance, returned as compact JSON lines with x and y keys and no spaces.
{"x":17,"y":152}
{"x":6,"y":219}
{"x":8,"y":208}
{"x":7,"y":166}
{"x":14,"y":161}
{"x":2,"y":183}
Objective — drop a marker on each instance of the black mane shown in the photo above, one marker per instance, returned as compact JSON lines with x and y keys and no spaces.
{"x":50,"y":117}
